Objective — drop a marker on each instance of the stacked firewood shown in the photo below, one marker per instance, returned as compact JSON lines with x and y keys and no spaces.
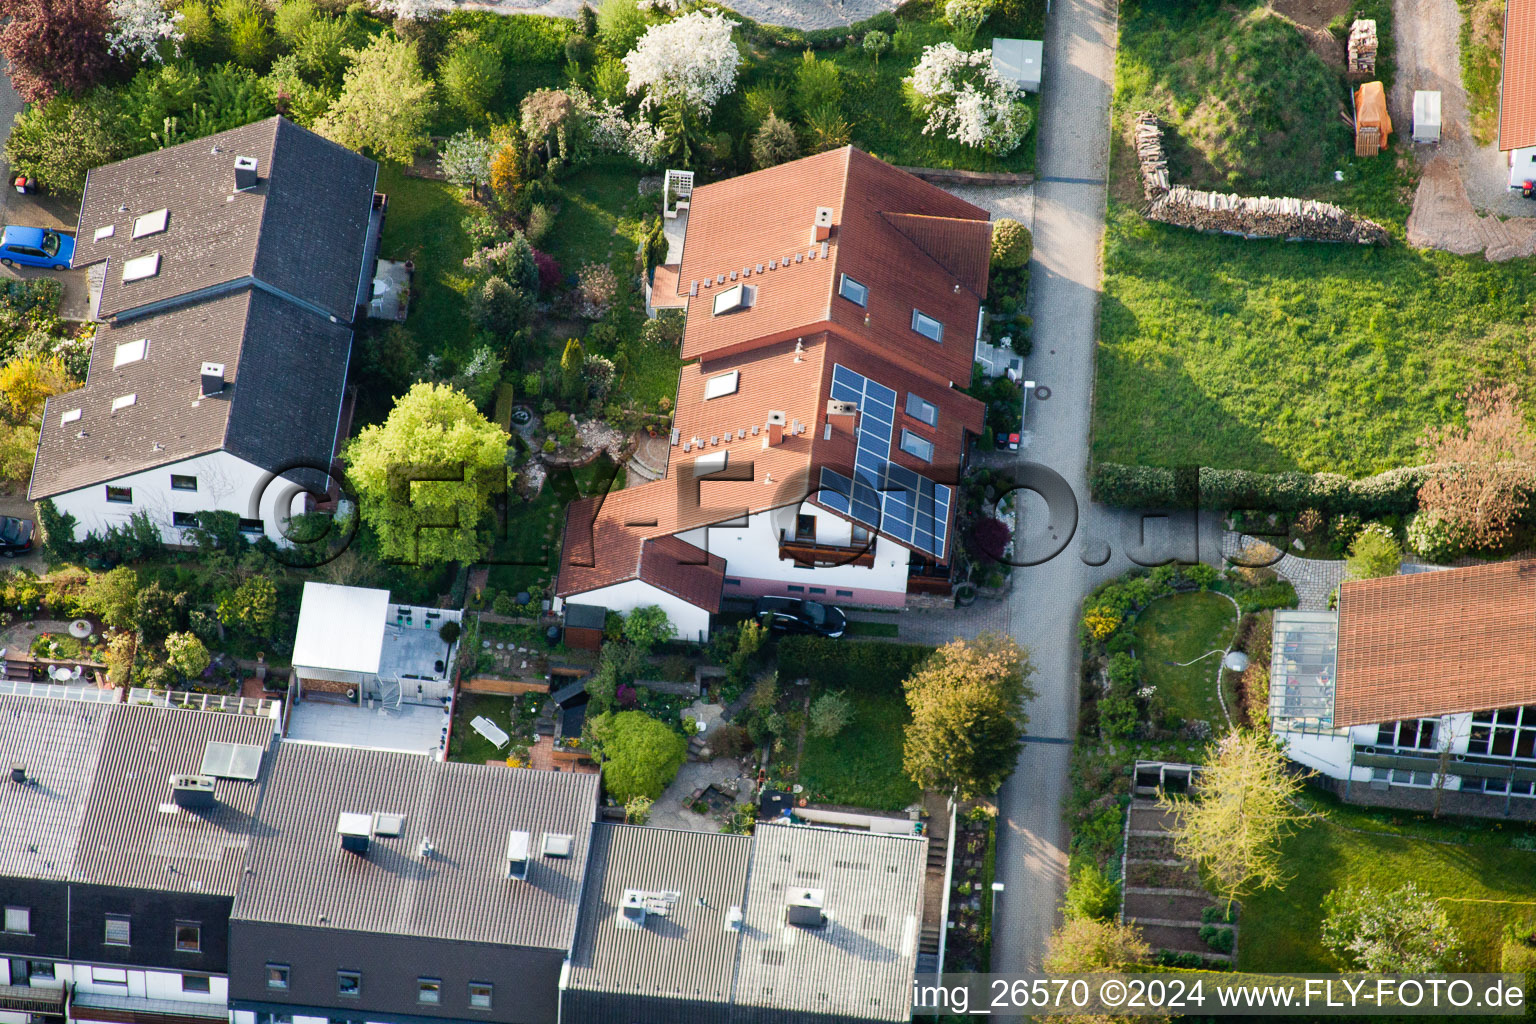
{"x":1263,"y":217}
{"x":1149,"y":151}
{"x":1362,"y":47}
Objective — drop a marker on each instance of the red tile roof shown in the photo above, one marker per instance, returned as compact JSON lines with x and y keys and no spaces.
{"x":1436,"y":643}
{"x":1517,"y":104}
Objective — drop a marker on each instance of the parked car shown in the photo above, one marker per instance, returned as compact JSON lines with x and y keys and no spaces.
{"x":16,"y":536}
{"x":792,"y":615}
{"x":36,"y":247}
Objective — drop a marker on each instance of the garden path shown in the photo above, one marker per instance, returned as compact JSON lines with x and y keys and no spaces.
{"x":21,"y":635}
{"x":1313,"y":578}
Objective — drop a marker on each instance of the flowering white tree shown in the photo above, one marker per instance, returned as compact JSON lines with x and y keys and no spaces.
{"x":465,"y":159}
{"x":613,"y":132}
{"x":692,"y":58}
{"x":140,"y":26}
{"x":406,"y":10}
{"x":963,"y":97}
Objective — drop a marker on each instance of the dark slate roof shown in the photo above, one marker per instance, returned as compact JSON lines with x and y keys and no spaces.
{"x":134,"y":835}
{"x":59,"y":742}
{"x":301,"y":230}
{"x":685,"y":956}
{"x":301,"y":876}
{"x":284,"y":367}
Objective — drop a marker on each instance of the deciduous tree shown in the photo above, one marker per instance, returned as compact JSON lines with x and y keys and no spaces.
{"x":186,"y":654}
{"x":962,"y":97}
{"x":640,"y":754}
{"x":1484,"y":470}
{"x":471,"y":76}
{"x":1233,"y":825}
{"x":113,"y":596}
{"x":251,"y":606}
{"x":27,"y":382}
{"x":465,"y":160}
{"x":968,"y":717}
{"x":139,"y":27}
{"x":1083,"y":945}
{"x":647,"y":626}
{"x":691,"y":58}
{"x":1373,"y":553}
{"x":1400,"y":930}
{"x":433,"y":430}
{"x":56,"y":142}
{"x":54,"y":46}
{"x":385,"y":103}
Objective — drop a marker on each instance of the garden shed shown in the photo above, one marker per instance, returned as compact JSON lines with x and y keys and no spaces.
{"x":1018,"y":61}
{"x":584,"y":626}
{"x":1373,"y":125}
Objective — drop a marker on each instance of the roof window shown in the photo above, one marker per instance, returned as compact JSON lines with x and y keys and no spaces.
{"x":130,"y":352}
{"x":711,"y":462}
{"x":722,"y":385}
{"x":150,"y":223}
{"x":922,"y":409}
{"x":123,"y":402}
{"x":70,"y":416}
{"x":141,"y":267}
{"x":557,"y":844}
{"x":917,"y":446}
{"x":927,"y":326}
{"x":106,"y":231}
{"x":854,"y":292}
{"x":735,"y":298}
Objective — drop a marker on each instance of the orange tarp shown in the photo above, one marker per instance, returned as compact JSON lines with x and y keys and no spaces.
{"x":1371,"y":109}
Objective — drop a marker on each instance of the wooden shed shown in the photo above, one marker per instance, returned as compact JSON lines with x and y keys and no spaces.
{"x":1373,"y":125}
{"x":584,"y":626}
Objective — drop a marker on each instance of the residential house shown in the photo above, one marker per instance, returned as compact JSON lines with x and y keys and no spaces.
{"x":392,"y":887}
{"x":1418,"y":686}
{"x":231,"y":269}
{"x":129,"y":826}
{"x":1517,"y":94}
{"x":832,"y":308}
{"x":800,"y":923}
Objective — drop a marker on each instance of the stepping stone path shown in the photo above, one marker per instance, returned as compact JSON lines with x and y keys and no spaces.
{"x":1314,"y":578}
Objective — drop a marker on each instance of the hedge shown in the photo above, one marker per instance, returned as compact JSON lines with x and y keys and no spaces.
{"x":1393,"y":492}
{"x":849,"y":664}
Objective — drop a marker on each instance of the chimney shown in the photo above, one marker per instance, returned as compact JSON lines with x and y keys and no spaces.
{"x":517,"y":855}
{"x":355,"y":831}
{"x":245,"y":173}
{"x":732,"y":921}
{"x":838,"y":407}
{"x":805,"y":908}
{"x":822,"y":230}
{"x":212,"y":379}
{"x":190,"y":791}
{"x":18,"y":772}
{"x":632,"y":910}
{"x":775,"y":429}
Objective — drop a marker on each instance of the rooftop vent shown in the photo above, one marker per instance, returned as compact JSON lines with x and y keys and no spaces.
{"x":517,"y":854}
{"x":638,"y":904}
{"x":18,"y":772}
{"x":735,"y":298}
{"x":822,"y":227}
{"x":805,"y":908}
{"x":212,"y":379}
{"x":192,"y":791}
{"x":245,"y":173}
{"x":355,"y":831}
{"x":557,"y":844}
{"x":732,"y":921}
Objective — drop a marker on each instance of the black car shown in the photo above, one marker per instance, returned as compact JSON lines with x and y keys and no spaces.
{"x":792,"y":615}
{"x":16,"y":536}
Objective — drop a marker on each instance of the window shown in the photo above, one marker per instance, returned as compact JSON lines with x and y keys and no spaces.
{"x":183,"y":483}
{"x":859,"y":535}
{"x":105,"y":232}
{"x":818,"y":590}
{"x":120,"y":495}
{"x":920,"y":447}
{"x":119,"y":930}
{"x":277,"y":976}
{"x":927,"y":326}
{"x":854,"y":292}
{"x":18,"y":920}
{"x":110,"y":976}
{"x":189,"y":937}
{"x":40,"y":969}
{"x":274,"y":1018}
{"x":70,"y":416}
{"x":150,"y":223}
{"x":845,"y":593}
{"x":795,"y":588}
{"x":922,"y":409}
{"x":805,"y":527}
{"x":480,"y":995}
{"x":130,"y":352}
{"x":123,"y":401}
{"x":722,"y":385}
{"x":50,"y":243}
{"x":429,"y":990}
{"x":732,"y":583}
{"x":252,"y":526}
{"x":183,"y":519}
{"x":349,"y":983}
{"x":196,"y":983}
{"x":735,"y":298}
{"x":140,"y":267}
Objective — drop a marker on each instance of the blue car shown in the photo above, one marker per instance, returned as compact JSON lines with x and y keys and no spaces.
{"x":36,"y":247}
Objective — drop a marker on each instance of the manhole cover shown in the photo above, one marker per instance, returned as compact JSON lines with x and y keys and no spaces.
{"x":1042,"y":392}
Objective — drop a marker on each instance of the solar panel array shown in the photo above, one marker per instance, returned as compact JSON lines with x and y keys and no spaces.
{"x":898,"y":502}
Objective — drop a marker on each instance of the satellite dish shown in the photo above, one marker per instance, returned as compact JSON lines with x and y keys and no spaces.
{"x":1237,"y":661}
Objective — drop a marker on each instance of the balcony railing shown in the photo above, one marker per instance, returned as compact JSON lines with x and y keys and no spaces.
{"x":808,"y":552}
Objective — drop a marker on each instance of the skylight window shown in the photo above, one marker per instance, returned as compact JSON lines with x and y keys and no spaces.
{"x":105,"y":232}
{"x":914,"y":445}
{"x":854,"y":292}
{"x":70,"y":416}
{"x":711,"y":462}
{"x":721,"y":385}
{"x":927,"y":326}
{"x":140,"y":267}
{"x":922,"y":409}
{"x":124,"y":402}
{"x":130,"y":352}
{"x":150,"y":223}
{"x":735,"y":298}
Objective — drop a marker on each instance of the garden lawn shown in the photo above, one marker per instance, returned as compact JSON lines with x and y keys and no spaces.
{"x":1482,"y":886}
{"x":527,"y":553}
{"x":425,"y":224}
{"x":464,"y":743}
{"x":861,"y":766}
{"x":1181,"y":628}
{"x":1271,"y":356}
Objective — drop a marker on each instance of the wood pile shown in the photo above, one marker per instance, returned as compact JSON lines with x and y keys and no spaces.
{"x":1362,"y":47}
{"x":1149,"y":151}
{"x":1263,"y":217}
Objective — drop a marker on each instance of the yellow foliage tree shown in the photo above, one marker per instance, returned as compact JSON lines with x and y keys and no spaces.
{"x":29,"y":381}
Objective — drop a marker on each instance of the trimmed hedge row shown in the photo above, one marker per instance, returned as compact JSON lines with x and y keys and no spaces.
{"x":1393,"y":492}
{"x":873,"y":665}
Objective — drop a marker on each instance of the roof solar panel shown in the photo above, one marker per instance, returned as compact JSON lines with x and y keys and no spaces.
{"x":231,"y":760}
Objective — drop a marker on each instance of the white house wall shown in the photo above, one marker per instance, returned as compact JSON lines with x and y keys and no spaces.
{"x":691,"y":621}
{"x":753,"y":567}
{"x":225,"y":483}
{"x":1330,"y":755}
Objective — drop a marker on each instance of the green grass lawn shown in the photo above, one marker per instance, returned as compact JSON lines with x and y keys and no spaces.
{"x":1180,"y":628}
{"x":861,"y":766}
{"x":1272,"y":356}
{"x":527,"y":553}
{"x":425,"y":224}
{"x":464,"y":744}
{"x":1481,"y":885}
{"x":1482,"y":64}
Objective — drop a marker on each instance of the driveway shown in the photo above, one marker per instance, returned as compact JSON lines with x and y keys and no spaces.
{"x":18,"y":505}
